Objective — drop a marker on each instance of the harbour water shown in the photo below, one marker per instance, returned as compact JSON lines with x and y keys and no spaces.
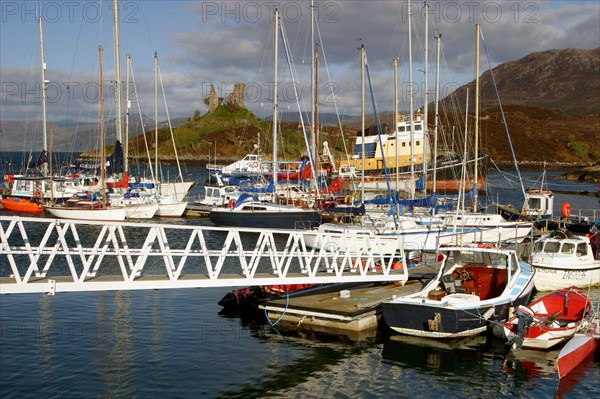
{"x":176,"y":344}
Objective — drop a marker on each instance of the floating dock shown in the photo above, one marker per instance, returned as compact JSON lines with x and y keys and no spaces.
{"x":346,"y":310}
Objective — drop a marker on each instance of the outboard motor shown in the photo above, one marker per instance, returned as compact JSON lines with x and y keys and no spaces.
{"x":525,"y":316}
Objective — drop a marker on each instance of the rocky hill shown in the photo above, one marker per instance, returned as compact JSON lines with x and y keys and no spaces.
{"x":566,"y":80}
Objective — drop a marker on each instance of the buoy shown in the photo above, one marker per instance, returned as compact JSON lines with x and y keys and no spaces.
{"x":231,"y":203}
{"x":397,"y":266}
{"x":566,"y":210}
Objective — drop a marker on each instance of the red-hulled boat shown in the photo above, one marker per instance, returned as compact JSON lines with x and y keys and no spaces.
{"x":549,"y":321}
{"x":21,"y":205}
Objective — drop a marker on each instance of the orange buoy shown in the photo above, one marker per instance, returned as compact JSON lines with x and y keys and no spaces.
{"x":566,"y":210}
{"x":231,"y":203}
{"x":397,"y":266}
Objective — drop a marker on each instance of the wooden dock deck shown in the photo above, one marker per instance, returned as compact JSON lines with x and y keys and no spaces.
{"x":352,"y":311}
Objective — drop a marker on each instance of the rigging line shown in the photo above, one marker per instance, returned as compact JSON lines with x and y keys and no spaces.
{"x":169,"y":121}
{"x":293,"y":77}
{"x":137,"y":101}
{"x":502,"y":112}
{"x":337,"y":113}
{"x":385,"y":172}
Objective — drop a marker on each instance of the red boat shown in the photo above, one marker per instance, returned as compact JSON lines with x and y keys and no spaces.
{"x":578,"y":348}
{"x":549,"y":321}
{"x":21,"y":205}
{"x":250,"y":296}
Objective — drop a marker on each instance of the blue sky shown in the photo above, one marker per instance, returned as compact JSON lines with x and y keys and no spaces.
{"x":223,"y":42}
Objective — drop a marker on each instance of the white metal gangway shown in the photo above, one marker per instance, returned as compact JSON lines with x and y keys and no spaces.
{"x":57,"y":255}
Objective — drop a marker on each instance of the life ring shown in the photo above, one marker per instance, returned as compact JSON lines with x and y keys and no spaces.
{"x":566,"y":210}
{"x":254,"y":164}
{"x":231,"y":203}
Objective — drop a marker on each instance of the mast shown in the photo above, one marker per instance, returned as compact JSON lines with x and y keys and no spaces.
{"x":117,"y":51}
{"x":44,"y":89}
{"x":411,"y":102}
{"x":396,"y":122}
{"x":475,"y":173}
{"x":50,"y":165}
{"x":316,"y":140}
{"x":156,"y":119}
{"x":438,"y":40}
{"x":313,"y":94}
{"x":127,"y":107}
{"x":425,"y":88}
{"x":362,"y":120}
{"x":275,"y":89}
{"x":102,"y":146}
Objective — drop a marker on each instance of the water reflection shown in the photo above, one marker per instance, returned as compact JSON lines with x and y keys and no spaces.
{"x":46,"y":338}
{"x":117,"y":363}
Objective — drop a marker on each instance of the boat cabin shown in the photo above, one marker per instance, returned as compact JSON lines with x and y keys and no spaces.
{"x":560,"y":246}
{"x":538,"y":203}
{"x":482,"y":274}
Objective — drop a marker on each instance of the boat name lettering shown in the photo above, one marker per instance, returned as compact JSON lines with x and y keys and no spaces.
{"x":574,"y":275}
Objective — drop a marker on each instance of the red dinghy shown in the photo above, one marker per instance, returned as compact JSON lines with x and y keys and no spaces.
{"x":550,"y":320}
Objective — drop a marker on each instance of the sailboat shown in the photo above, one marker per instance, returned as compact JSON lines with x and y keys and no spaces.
{"x":249,"y":212}
{"x":89,"y":207}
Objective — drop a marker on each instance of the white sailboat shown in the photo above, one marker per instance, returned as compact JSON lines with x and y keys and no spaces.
{"x":89,"y":207}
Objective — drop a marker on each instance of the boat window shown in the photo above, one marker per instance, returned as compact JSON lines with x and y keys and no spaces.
{"x":370,"y":149}
{"x":404,"y":144}
{"x":402,"y":128}
{"x":418,"y":126}
{"x":538,"y":247}
{"x":418,"y":143}
{"x":552,"y":247}
{"x":582,"y":249}
{"x":568,"y":248}
{"x":534,"y":203}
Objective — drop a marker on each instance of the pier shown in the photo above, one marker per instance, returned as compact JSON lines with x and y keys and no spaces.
{"x":44,"y":255}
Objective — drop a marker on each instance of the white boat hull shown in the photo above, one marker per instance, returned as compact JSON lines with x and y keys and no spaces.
{"x":141,"y":211}
{"x":552,"y":278}
{"x":178,"y":190}
{"x":171,"y":209}
{"x":110,"y":214}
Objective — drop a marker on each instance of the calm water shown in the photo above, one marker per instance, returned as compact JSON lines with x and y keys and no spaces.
{"x":175,"y":344}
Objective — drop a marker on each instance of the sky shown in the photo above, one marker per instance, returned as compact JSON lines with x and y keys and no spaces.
{"x":199,"y":43}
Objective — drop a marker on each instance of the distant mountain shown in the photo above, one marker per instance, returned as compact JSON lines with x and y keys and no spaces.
{"x":564,"y":80}
{"x":67,"y":134}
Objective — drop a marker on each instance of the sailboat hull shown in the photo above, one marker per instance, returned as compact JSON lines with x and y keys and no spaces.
{"x":268,"y":219}
{"x":108,"y":214}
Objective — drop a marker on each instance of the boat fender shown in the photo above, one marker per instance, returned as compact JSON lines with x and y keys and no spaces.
{"x":397,"y":266}
{"x":9,"y":178}
{"x":231,"y":203}
{"x":566,"y":210}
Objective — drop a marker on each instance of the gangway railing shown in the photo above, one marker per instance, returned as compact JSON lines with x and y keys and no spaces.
{"x":42,"y":255}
